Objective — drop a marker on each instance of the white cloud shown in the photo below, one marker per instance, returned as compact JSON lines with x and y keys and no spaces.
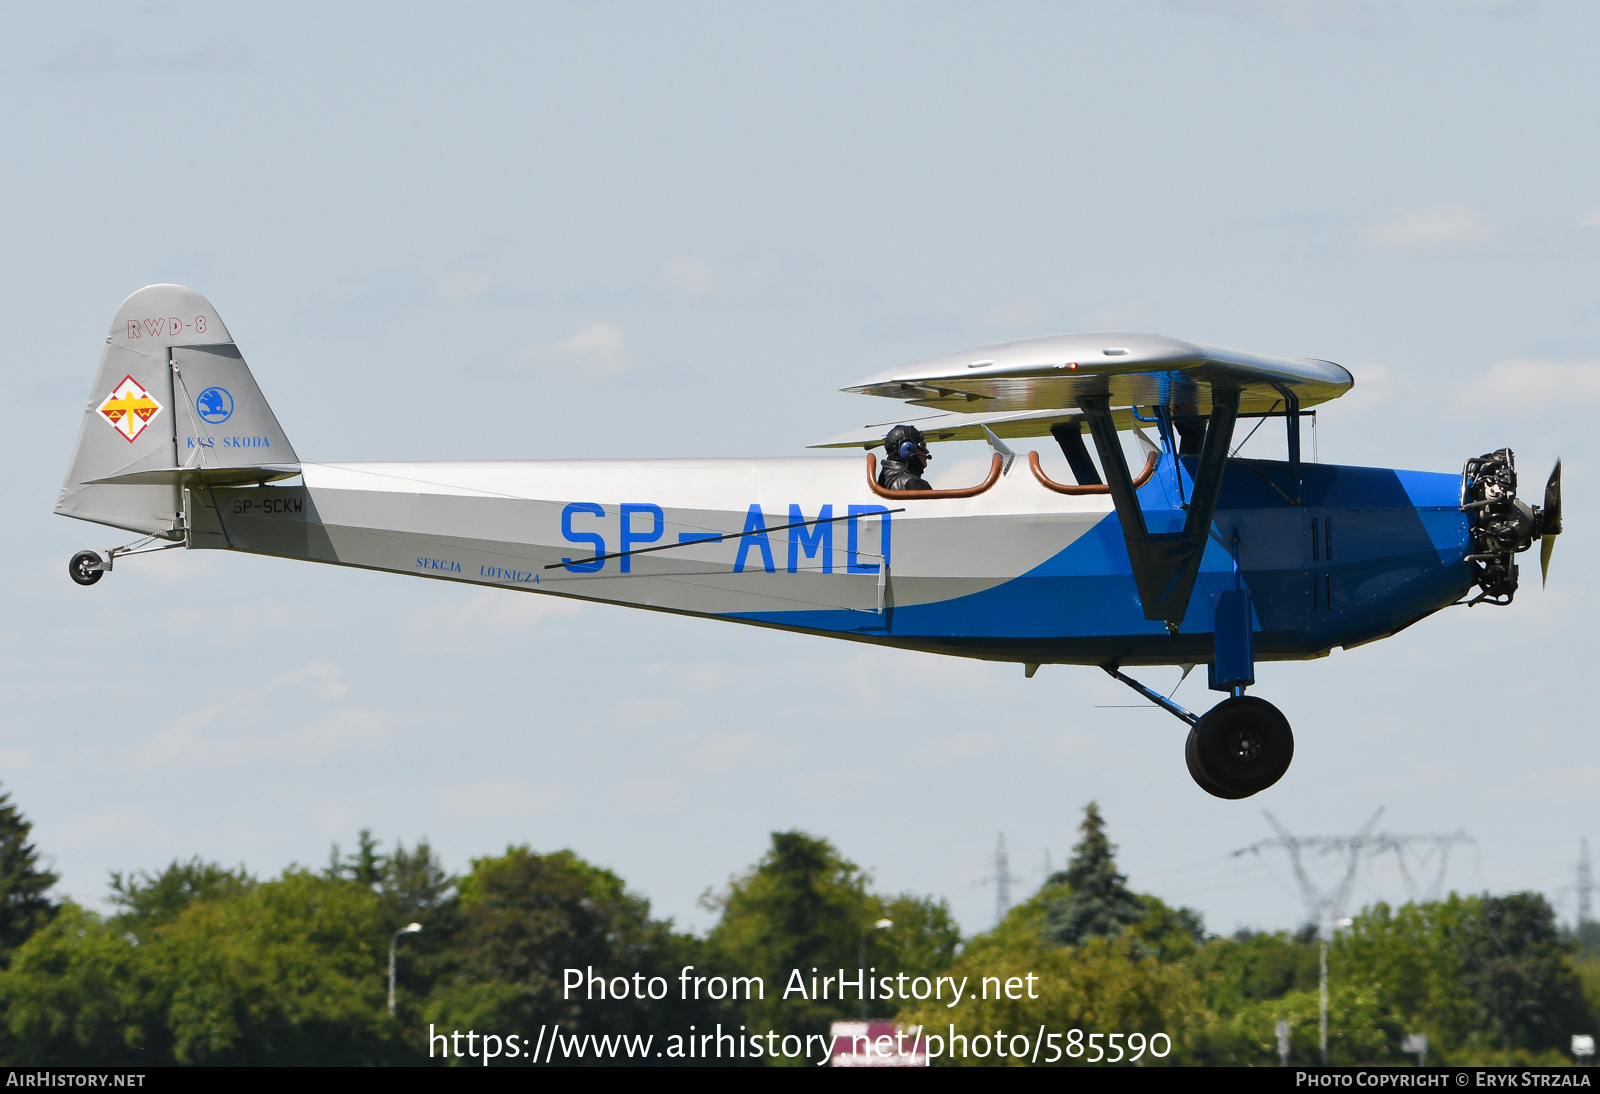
{"x":1445,"y":230}
{"x":598,"y":349}
{"x":505,"y":610}
{"x":1377,"y":384}
{"x":1521,"y":384}
{"x":329,"y":685}
{"x":217,"y":736}
{"x":753,"y":278}
{"x":1514,"y":385}
{"x":686,"y":280}
{"x":275,"y":725}
{"x":1436,"y":230}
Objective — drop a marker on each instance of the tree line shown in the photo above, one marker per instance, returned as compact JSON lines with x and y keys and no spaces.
{"x":199,"y":963}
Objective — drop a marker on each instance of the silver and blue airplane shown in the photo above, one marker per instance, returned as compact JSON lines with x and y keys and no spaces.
{"x":1195,"y":557}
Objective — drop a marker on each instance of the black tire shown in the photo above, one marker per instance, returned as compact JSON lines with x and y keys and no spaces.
{"x":1191,"y":749}
{"x":85,"y":568}
{"x":1240,"y":747}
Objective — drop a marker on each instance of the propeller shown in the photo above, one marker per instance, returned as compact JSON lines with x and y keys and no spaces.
{"x":1550,"y":522}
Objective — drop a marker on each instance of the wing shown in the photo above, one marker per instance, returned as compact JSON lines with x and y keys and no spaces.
{"x":1021,"y":389}
{"x":1133,"y":370}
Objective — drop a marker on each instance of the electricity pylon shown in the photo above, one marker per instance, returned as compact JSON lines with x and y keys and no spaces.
{"x":1324,"y":908}
{"x":1585,"y":883}
{"x":1001,"y":880}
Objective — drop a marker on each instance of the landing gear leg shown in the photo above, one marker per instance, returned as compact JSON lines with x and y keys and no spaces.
{"x":87,"y":567}
{"x":1238,"y":748}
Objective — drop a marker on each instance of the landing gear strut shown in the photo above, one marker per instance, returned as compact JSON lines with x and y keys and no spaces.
{"x":87,"y":567}
{"x":1238,"y":748}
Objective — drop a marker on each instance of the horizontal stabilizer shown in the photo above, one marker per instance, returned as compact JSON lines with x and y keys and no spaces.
{"x":202,"y":476}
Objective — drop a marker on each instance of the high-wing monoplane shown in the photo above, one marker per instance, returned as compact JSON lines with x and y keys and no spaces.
{"x":1195,"y":557}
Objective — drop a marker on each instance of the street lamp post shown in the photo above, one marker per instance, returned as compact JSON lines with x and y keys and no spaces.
{"x":1322,"y":1017}
{"x":1322,"y":1006}
{"x":861,"y":957}
{"x":409,"y":928}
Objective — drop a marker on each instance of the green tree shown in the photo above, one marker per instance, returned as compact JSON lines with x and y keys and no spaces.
{"x":1096,"y":901}
{"x":1104,"y":984}
{"x":802,"y":907}
{"x":365,"y":867}
{"x":923,"y":941}
{"x":24,"y":885}
{"x":76,"y":994}
{"x":1486,"y":978}
{"x":148,"y":901}
{"x":1585,"y":941}
{"x":1253,"y":967}
{"x":805,"y":907}
{"x":289,"y":971}
{"x":1515,"y":966}
{"x":1101,"y":957}
{"x":412,"y":887}
{"x":525,"y":919}
{"x":415,"y":888}
{"x":1588,"y":970}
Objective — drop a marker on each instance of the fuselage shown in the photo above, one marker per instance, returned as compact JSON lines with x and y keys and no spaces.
{"x":1017,"y":573}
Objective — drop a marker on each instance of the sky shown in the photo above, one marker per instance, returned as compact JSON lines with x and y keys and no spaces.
{"x":542,"y":230}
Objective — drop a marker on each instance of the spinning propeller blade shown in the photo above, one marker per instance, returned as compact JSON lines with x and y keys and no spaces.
{"x":1550,"y":522}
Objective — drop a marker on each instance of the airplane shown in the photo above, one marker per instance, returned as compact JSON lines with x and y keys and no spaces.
{"x":1195,"y":557}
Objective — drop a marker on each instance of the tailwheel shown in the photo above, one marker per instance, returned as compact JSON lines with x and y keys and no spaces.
{"x":1239,"y":747}
{"x":86,"y":567}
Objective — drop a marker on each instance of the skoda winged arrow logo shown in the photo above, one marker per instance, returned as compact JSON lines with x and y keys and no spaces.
{"x":215,"y":405}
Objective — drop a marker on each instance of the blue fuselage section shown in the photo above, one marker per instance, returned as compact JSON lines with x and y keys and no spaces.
{"x":1346,"y":556}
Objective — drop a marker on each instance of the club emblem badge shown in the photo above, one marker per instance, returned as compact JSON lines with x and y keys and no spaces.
{"x":129,"y":408}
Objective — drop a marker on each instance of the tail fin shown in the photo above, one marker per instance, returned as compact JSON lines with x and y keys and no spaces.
{"x":173,"y":406}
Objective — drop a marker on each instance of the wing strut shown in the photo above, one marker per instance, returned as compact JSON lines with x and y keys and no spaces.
{"x":1165,"y":563}
{"x":1069,"y":435}
{"x":1291,"y":411}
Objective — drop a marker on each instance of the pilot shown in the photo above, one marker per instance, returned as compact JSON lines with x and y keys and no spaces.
{"x":906,"y":456}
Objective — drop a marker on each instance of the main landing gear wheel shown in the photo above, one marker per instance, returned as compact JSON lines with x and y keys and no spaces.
{"x":85,"y":568}
{"x":1239,"y":747}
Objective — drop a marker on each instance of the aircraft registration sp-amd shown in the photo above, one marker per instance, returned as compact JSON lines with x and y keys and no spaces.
{"x":1195,"y":557}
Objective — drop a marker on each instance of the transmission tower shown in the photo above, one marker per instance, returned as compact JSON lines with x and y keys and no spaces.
{"x":1002,"y":881}
{"x":1434,"y":843}
{"x":1585,"y":883}
{"x":1324,"y":908}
